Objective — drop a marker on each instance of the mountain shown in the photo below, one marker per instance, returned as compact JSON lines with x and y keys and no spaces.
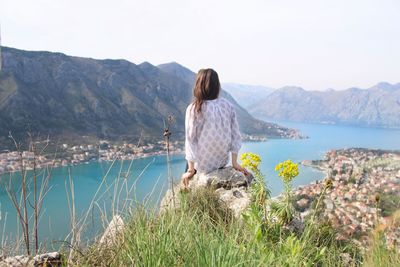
{"x":247,"y":95}
{"x":70,"y":97}
{"x":378,"y":106}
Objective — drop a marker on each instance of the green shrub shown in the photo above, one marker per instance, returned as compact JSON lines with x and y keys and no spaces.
{"x":389,"y":203}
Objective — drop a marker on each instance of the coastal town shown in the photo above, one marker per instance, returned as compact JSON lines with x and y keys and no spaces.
{"x":363,"y":193}
{"x":104,"y":150}
{"x":11,"y":161}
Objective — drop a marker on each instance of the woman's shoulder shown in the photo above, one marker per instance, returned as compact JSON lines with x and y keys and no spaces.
{"x":189,"y":109}
{"x":190,"y":106}
{"x":225,"y":102}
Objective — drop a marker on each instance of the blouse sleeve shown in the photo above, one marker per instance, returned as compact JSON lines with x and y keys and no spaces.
{"x":190,"y":135}
{"x":236,"y":139}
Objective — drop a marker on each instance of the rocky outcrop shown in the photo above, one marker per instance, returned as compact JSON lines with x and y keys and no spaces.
{"x":230,"y":185}
{"x":115,"y":226}
{"x":46,"y":259}
{"x":108,"y":238}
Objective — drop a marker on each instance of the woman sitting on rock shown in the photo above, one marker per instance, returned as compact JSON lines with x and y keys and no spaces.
{"x":211,"y":129}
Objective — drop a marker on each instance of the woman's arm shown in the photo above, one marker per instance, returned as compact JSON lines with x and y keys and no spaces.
{"x":190,"y":135}
{"x":191,"y":171}
{"x":236,"y":165}
{"x":190,"y":145}
{"x":190,"y":165}
{"x":236,"y":143}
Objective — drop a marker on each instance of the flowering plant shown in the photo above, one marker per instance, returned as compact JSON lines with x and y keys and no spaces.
{"x":287,"y":170}
{"x":250,"y":161}
{"x":284,"y":210}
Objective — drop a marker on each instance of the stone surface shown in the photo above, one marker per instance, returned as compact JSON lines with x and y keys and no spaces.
{"x":46,"y":259}
{"x":227,"y":178}
{"x":296,"y":225}
{"x":328,"y":204}
{"x":17,"y":261}
{"x":229,"y":184}
{"x":115,"y":226}
{"x":303,"y":203}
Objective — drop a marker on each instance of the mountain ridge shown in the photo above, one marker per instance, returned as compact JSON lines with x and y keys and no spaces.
{"x":377,"y":106}
{"x":66,"y":96}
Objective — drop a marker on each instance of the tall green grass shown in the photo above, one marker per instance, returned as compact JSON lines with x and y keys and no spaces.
{"x":380,"y":255}
{"x":203,"y":232}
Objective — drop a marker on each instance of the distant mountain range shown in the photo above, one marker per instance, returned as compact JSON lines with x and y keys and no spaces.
{"x":71,"y":97}
{"x":378,"y":106}
{"x":247,"y":95}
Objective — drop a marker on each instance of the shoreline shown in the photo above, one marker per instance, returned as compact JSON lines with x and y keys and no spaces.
{"x":85,"y":154}
{"x":99,"y":160}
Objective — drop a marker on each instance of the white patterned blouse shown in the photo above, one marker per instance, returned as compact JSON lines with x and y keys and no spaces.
{"x":212,"y":135}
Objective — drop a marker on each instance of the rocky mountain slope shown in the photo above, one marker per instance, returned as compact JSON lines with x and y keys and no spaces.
{"x":71,"y":97}
{"x":378,"y":106}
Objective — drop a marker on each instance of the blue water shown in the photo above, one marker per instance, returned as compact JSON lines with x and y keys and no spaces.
{"x":321,"y":139}
{"x":55,"y":219}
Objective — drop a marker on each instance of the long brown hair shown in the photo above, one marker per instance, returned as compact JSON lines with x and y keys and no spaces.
{"x":207,"y":87}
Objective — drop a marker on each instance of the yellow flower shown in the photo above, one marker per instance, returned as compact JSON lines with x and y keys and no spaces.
{"x":287,"y":170}
{"x":250,"y":161}
{"x":328,"y":183}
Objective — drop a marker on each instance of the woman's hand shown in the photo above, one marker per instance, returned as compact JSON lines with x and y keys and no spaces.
{"x":239,"y":168}
{"x":186,"y":176}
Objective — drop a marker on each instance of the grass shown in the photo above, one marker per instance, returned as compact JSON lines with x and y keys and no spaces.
{"x":380,"y":255}
{"x":205,"y":233}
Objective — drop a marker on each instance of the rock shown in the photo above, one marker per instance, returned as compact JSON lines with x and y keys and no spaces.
{"x":226,"y":177}
{"x":236,"y":199}
{"x":303,"y":203}
{"x":328,"y":204}
{"x":170,"y":199}
{"x":114,"y":227}
{"x":46,"y":259}
{"x":296,"y":225}
{"x":237,"y":194}
{"x":346,"y":258}
{"x":17,"y":261}
{"x":230,"y":185}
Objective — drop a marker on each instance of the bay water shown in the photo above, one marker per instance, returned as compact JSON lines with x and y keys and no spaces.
{"x":145,"y":180}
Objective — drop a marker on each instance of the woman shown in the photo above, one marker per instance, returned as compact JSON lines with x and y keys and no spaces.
{"x":211,"y":128}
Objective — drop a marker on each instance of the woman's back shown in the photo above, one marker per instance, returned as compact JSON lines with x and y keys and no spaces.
{"x":212,"y":134}
{"x":211,"y":128}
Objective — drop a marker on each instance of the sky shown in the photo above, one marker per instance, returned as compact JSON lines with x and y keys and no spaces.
{"x":309,"y":43}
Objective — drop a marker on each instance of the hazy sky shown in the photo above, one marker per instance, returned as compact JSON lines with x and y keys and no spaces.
{"x":314,"y":44}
